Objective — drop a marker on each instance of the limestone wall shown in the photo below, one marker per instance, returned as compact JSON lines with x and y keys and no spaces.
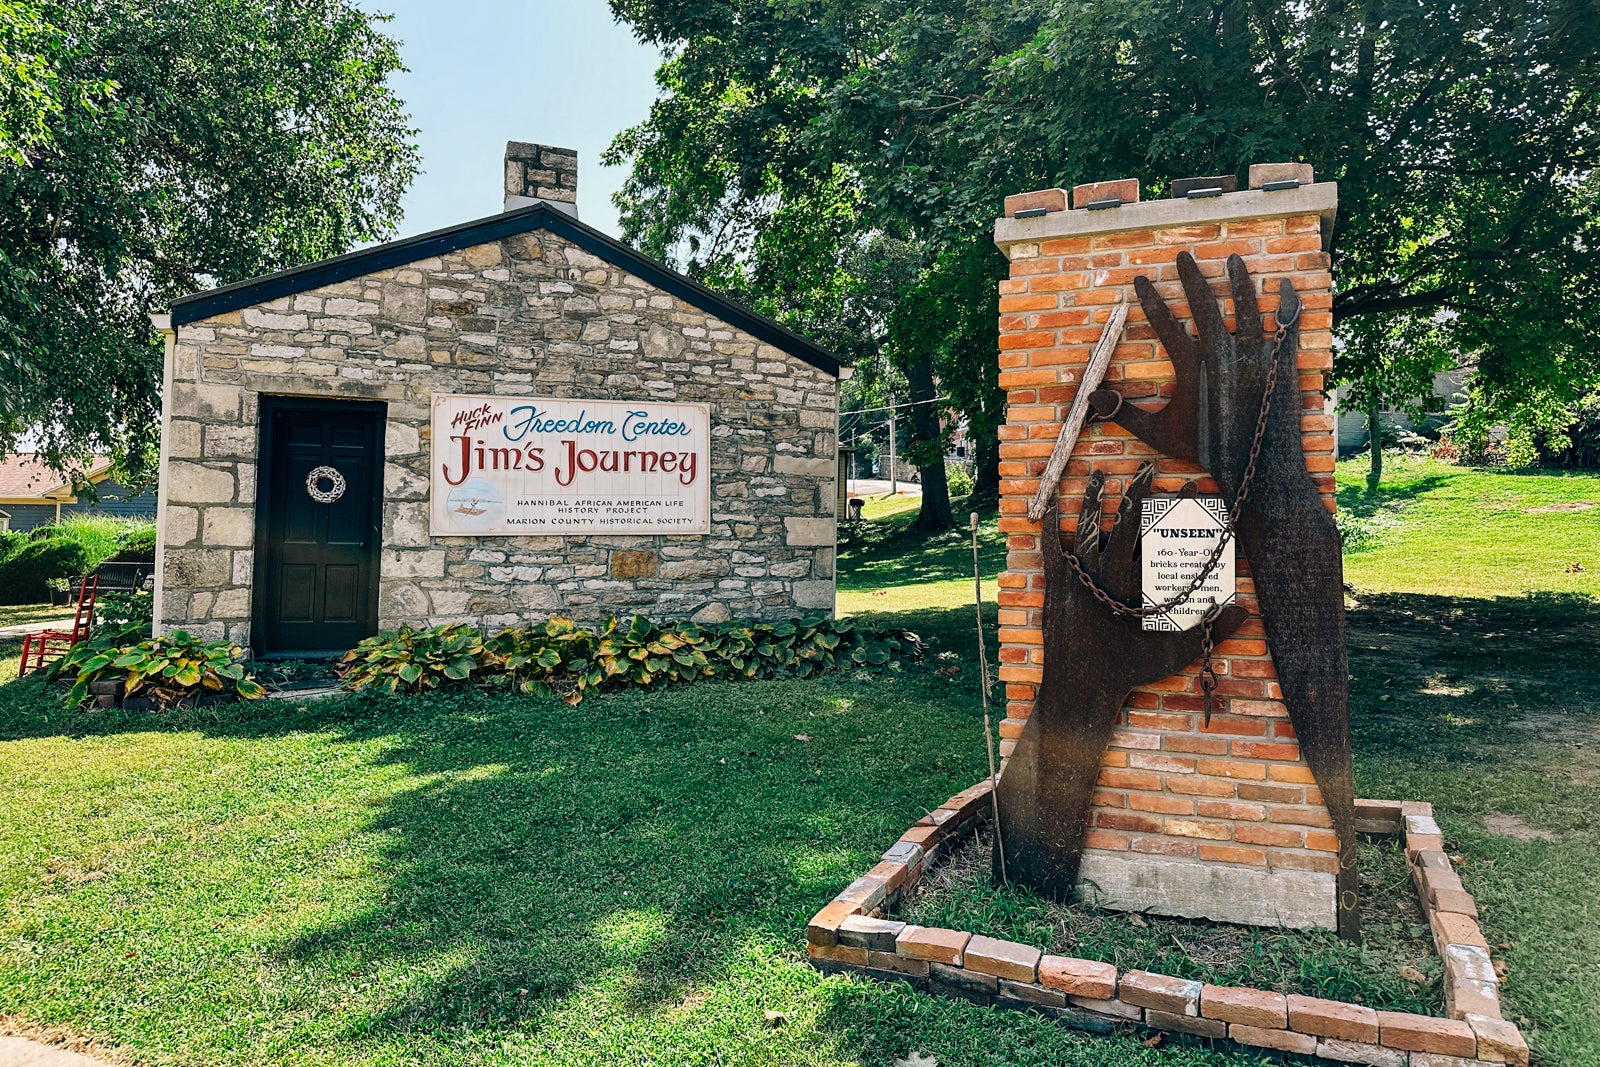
{"x":531,"y":314}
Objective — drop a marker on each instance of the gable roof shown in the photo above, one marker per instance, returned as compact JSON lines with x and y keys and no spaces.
{"x":24,"y":474}
{"x":254,"y":291}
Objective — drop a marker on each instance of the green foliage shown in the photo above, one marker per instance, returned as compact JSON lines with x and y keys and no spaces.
{"x":415,"y":660}
{"x":26,"y":571}
{"x":174,"y":668}
{"x":959,"y":480}
{"x":561,"y":657}
{"x":1578,"y":445}
{"x":1462,"y":135}
{"x":171,"y":145}
{"x":121,"y":608}
{"x":68,"y":549}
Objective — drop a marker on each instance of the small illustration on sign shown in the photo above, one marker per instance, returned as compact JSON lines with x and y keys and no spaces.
{"x":1177,"y":535}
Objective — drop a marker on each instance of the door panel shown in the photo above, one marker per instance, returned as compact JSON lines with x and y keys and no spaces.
{"x":319,"y":564}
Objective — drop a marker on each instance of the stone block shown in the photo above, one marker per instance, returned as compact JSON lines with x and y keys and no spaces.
{"x":229,"y":527}
{"x":1223,"y":892}
{"x":1146,"y":989}
{"x":932,"y":943}
{"x":1262,"y":173}
{"x":1423,"y":1033}
{"x":633,"y":564}
{"x":194,"y":483}
{"x":808,"y":532}
{"x":1003,"y":959}
{"x":1333,"y":1019}
{"x":1252,"y":1007}
{"x":1080,"y":978}
{"x":181,"y":525}
{"x":814,"y":595}
{"x":196,"y":568}
{"x":827,"y":467}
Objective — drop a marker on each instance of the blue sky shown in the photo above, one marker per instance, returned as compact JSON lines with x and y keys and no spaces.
{"x":482,"y":73}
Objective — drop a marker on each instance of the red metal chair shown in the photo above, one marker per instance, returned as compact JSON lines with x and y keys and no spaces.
{"x":41,"y":649}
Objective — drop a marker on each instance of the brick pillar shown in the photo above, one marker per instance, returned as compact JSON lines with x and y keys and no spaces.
{"x":1224,"y":821}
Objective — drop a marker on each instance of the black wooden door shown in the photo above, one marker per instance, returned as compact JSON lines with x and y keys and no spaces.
{"x":318,"y":525}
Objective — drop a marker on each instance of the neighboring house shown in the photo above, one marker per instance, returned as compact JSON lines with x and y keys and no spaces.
{"x":32,"y":494}
{"x":1449,"y":385}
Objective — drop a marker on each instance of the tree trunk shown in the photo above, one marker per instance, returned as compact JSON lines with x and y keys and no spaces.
{"x":985,"y":467}
{"x":926,"y":449}
{"x":1375,"y":446}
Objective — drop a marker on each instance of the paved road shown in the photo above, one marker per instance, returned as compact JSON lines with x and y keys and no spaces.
{"x":880,"y":486}
{"x":11,"y":632}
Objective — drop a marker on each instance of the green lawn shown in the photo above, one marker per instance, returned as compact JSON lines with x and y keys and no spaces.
{"x":466,"y":879}
{"x":18,"y":614}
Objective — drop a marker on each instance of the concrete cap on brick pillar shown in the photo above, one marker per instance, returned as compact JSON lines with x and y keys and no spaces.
{"x":541,"y":174}
{"x":1047,"y":200}
{"x":1262,"y":174}
{"x":1123,"y":190}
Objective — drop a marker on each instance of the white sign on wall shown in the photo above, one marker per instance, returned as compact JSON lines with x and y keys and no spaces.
{"x":1176,"y":538}
{"x":533,"y":465}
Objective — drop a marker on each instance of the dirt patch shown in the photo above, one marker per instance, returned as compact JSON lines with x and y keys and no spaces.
{"x":1565,"y":505}
{"x":1503,"y":825}
{"x":60,"y":1037}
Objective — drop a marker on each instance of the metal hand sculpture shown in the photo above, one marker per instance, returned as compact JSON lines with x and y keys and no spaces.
{"x":1285,"y":529}
{"x":1092,"y":658}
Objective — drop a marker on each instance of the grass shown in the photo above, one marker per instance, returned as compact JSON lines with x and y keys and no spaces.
{"x":377,"y":880}
{"x":1396,"y":939}
{"x":19,"y":614}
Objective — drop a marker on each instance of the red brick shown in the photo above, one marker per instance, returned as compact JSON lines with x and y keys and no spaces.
{"x":1332,"y":1018}
{"x":1049,"y":199}
{"x":1158,"y":802}
{"x":1079,"y":978}
{"x":1422,"y":1033}
{"x":1254,"y":857}
{"x":1498,"y":1040}
{"x":1236,"y":1004}
{"x":1451,"y":928}
{"x":823,"y":929}
{"x":1176,"y":995}
{"x":1003,"y":959}
{"x":1123,"y":189}
{"x":932,"y":943}
{"x":846,"y":954}
{"x":1262,"y":1037}
{"x":1232,"y":769}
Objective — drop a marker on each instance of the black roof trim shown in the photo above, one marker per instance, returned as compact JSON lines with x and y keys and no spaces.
{"x":260,"y":290}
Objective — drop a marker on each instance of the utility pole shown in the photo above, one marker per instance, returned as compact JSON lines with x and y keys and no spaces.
{"x":894,"y":483}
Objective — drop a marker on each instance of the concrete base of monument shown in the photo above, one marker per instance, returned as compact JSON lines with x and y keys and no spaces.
{"x":1254,"y":896}
{"x":857,"y":933}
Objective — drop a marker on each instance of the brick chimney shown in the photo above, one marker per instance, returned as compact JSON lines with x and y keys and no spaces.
{"x":541,"y":173}
{"x":1222,"y":820}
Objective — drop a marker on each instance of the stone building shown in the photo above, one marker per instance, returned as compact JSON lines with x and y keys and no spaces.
{"x":421,"y":432}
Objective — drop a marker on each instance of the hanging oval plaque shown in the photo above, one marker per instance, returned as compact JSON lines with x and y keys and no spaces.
{"x":314,"y":489}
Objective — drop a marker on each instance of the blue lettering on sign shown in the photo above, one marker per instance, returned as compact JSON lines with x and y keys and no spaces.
{"x":536,"y":421}
{"x":639,"y":424}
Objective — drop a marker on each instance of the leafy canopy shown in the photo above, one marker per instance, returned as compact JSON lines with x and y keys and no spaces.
{"x":159,"y":147}
{"x":1463,"y":136}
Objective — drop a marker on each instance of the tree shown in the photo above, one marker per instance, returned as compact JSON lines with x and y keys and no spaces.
{"x":1463,"y":136}
{"x":159,"y":147}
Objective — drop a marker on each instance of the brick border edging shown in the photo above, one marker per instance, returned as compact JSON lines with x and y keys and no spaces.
{"x":851,"y":934}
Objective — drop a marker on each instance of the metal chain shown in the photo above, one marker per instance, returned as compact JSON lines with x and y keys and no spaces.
{"x":1208,"y":673}
{"x":1118,"y":607}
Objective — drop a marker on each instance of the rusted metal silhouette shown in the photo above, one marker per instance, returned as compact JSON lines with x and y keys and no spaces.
{"x":1094,"y":655}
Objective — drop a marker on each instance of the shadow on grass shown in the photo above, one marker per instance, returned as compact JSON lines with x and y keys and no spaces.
{"x":1364,"y":503}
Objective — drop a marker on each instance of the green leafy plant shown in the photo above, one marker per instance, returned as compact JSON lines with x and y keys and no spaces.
{"x":415,"y":660}
{"x":959,"y":480}
{"x":124,"y":608}
{"x":168,"y":670}
{"x":561,"y":658}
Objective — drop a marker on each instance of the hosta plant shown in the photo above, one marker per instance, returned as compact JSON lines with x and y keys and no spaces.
{"x":560,"y":657}
{"x":415,"y":661}
{"x":174,"y":668}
